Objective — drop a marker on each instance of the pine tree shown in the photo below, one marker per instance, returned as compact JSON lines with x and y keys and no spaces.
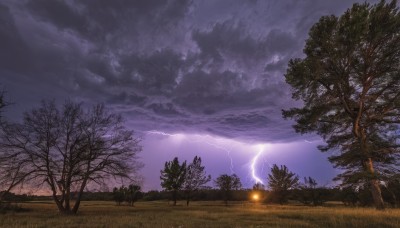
{"x":173,"y":176}
{"x":349,"y":83}
{"x":196,"y":178}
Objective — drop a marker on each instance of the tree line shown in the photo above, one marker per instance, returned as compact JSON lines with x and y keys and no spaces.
{"x":180,"y":179}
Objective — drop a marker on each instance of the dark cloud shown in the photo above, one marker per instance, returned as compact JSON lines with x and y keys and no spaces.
{"x":179,"y":66}
{"x":14,"y":54}
{"x":58,"y":13}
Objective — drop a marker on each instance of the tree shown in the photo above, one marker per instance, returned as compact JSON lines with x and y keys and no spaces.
{"x":392,"y":186}
{"x":12,"y":172}
{"x":226,"y":183}
{"x":280,"y":181}
{"x":133,"y":194}
{"x":258,"y":187}
{"x":173,"y":177}
{"x":349,"y":84}
{"x":67,"y":148}
{"x":128,"y":194}
{"x":195,"y":179}
{"x":311,"y":193}
{"x":119,"y":195}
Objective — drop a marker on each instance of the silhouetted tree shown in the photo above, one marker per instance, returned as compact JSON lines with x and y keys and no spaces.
{"x":349,"y":84}
{"x":392,"y":186}
{"x":69,"y":147}
{"x":12,"y":170}
{"x":119,"y":195}
{"x":133,"y":194}
{"x":349,"y":196}
{"x":226,"y":183}
{"x":280,"y":181}
{"x":173,"y":177}
{"x":258,"y":187}
{"x":195,"y":178}
{"x":310,"y":193}
{"x":364,"y":196}
{"x":128,"y":194}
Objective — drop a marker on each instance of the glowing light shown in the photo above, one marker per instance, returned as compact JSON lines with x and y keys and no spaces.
{"x":254,"y":162}
{"x":256,"y":197}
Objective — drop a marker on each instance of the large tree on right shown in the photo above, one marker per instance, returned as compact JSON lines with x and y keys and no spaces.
{"x":349,"y":82}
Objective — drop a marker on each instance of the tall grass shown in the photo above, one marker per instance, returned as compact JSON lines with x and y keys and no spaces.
{"x":200,"y":214}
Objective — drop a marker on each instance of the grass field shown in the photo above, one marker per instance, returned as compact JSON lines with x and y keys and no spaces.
{"x":200,"y":214}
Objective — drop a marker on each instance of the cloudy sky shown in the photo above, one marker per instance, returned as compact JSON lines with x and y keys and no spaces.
{"x":190,"y":77}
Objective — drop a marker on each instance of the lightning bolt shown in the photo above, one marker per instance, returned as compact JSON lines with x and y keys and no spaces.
{"x":228,"y":151}
{"x":260,"y":148}
{"x":254,"y":163}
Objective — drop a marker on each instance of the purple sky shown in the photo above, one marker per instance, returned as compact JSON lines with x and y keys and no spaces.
{"x":191,"y":77}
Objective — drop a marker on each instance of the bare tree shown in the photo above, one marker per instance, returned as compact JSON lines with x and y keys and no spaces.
{"x":12,"y":172}
{"x":67,"y":148}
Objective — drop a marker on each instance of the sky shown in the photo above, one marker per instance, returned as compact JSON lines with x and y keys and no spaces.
{"x":191,"y":78}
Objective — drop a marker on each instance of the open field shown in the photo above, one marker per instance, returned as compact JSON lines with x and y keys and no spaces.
{"x":200,"y":214}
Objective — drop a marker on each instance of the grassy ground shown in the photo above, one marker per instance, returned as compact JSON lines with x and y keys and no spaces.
{"x":200,"y":214}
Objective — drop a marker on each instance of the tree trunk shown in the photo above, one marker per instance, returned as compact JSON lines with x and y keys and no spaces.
{"x":187,"y":198}
{"x":375,"y":188}
{"x":59,"y":205}
{"x":359,"y":132}
{"x":67,"y":200}
{"x":174,"y":197}
{"x":377,"y":195}
{"x":78,"y":199}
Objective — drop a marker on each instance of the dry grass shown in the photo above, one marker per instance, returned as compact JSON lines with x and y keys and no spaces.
{"x":200,"y":214}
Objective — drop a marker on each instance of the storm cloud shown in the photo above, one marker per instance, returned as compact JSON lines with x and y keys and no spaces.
{"x":178,"y":66}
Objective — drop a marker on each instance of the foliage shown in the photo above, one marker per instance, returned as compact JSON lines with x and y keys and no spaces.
{"x":258,"y":187}
{"x":195,"y":178}
{"x":173,"y":177}
{"x":280,"y":181}
{"x":67,"y":148}
{"x":128,"y":194}
{"x":392,"y":190}
{"x":310,"y":192}
{"x":349,"y":84}
{"x":226,"y":183}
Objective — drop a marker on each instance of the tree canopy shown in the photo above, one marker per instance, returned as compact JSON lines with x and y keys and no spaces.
{"x":196,"y":178}
{"x":226,"y":183}
{"x":173,"y":177}
{"x":349,"y":82}
{"x":280,"y":181}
